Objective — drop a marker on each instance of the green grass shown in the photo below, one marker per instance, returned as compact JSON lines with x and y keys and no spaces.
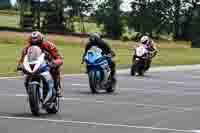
{"x":165,"y":57}
{"x":9,"y":20}
{"x":9,"y":11}
{"x":89,"y":27}
{"x":11,"y":51}
{"x":177,"y":56}
{"x":8,"y":58}
{"x":10,"y":54}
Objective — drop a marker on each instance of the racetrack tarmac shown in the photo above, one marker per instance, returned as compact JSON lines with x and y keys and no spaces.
{"x":160,"y":102}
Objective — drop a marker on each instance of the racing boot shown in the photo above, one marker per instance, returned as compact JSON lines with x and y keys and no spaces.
{"x":147,"y":65}
{"x":57,"y":82}
{"x":58,"y":88}
{"x":51,"y":92}
{"x":113,"y":77}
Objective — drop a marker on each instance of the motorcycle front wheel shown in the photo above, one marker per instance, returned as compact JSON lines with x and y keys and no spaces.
{"x":94,"y":78}
{"x":34,"y":99}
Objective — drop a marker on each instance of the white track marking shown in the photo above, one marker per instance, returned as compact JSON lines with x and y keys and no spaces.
{"x":175,"y":82}
{"x":14,"y":95}
{"x":195,"y":77}
{"x":80,"y":85}
{"x":196,"y":131}
{"x":159,"y":80}
{"x":161,"y":92}
{"x":97,"y":124}
{"x":166,"y":81}
{"x":65,"y":75}
{"x":17,"y":77}
{"x":175,"y":108}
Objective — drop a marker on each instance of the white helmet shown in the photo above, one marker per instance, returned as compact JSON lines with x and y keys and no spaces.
{"x":144,"y":40}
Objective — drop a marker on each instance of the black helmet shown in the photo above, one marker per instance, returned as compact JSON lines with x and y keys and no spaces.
{"x":94,"y":37}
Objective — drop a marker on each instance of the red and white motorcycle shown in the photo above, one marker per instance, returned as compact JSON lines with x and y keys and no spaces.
{"x":36,"y":70}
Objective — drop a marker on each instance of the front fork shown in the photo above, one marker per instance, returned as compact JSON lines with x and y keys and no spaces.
{"x":27,"y":83}
{"x":41,"y":89}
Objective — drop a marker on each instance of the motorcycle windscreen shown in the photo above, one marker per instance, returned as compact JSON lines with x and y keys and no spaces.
{"x":33,"y":59}
{"x":93,"y":54}
{"x":140,"y":51}
{"x":92,"y":57}
{"x":34,"y":53}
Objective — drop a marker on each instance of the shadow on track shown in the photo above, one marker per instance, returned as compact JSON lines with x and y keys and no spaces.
{"x":103,"y":93}
{"x":29,"y":115}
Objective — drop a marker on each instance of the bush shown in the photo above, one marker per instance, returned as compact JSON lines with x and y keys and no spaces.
{"x":125,"y":37}
{"x":135,"y":36}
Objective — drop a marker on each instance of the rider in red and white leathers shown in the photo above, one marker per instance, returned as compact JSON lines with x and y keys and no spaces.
{"x":55,"y":61}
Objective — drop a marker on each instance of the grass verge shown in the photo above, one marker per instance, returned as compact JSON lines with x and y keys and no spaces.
{"x":11,"y":45}
{"x":10,"y":53}
{"x":9,"y":20}
{"x":165,"y":57}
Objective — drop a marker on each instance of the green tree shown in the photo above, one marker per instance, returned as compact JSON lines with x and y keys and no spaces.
{"x":80,"y":8}
{"x":4,"y":4}
{"x":109,"y":14}
{"x":160,"y":16}
{"x":141,"y":16}
{"x":22,"y":5}
{"x":194,"y":31}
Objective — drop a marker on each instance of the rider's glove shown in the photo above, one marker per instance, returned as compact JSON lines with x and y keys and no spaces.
{"x":19,"y":67}
{"x":109,"y":55}
{"x":52,"y":64}
{"x":83,"y":60}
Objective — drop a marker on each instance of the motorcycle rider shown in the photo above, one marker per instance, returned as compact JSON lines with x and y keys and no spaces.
{"x":55,"y":59}
{"x":96,"y":40}
{"x":150,"y":45}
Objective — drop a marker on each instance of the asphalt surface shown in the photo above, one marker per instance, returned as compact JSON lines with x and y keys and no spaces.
{"x":160,"y":102}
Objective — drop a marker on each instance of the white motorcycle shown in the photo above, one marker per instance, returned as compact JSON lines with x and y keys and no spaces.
{"x":39,"y":95}
{"x":139,"y":60}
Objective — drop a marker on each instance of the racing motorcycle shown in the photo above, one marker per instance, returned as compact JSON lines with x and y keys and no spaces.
{"x":140,"y":58}
{"x":37,"y":88}
{"x":99,"y":72}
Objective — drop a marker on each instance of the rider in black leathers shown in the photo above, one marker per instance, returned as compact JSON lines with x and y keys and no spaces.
{"x":96,"y":40}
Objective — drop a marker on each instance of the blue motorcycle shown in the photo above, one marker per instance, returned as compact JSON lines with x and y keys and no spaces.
{"x":99,"y":72}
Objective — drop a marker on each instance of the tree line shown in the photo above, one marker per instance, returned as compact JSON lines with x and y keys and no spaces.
{"x":178,"y":18}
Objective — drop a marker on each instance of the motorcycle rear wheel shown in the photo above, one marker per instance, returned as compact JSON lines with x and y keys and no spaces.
{"x":133,"y":70}
{"x":55,"y":108}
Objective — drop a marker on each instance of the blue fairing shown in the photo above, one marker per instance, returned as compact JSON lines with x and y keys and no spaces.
{"x":95,"y":60}
{"x":44,"y":68}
